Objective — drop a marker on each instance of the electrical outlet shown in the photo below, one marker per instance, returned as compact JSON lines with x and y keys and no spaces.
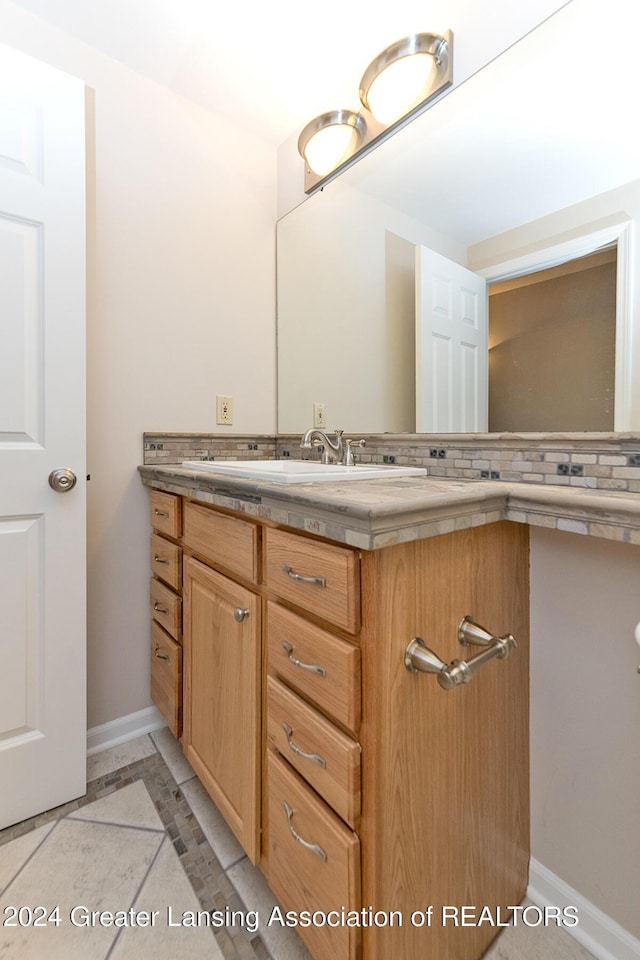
{"x":320,"y":415}
{"x":224,"y":410}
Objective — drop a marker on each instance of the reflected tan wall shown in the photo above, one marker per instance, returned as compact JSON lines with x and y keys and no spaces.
{"x":552,"y":348}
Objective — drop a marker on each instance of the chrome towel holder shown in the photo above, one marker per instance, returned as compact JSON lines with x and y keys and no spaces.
{"x":419,"y":658}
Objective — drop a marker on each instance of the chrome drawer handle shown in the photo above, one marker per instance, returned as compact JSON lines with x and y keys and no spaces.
{"x":159,"y":609}
{"x":313,"y":667}
{"x":314,"y":757}
{"x":240,"y":614}
{"x":319,"y":852}
{"x":161,"y":513}
{"x":158,"y":655}
{"x":316,"y":581}
{"x":158,"y":559}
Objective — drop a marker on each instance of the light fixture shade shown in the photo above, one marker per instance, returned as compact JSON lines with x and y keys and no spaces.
{"x":402,"y":76}
{"x":335,"y":140}
{"x":330,"y":139}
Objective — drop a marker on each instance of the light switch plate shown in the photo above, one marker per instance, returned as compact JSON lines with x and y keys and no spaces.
{"x":320,"y":415}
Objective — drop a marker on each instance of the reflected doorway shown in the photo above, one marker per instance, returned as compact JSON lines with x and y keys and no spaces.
{"x":552,"y":345}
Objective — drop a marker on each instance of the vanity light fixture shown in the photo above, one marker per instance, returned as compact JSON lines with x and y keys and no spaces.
{"x":331,"y":138}
{"x":397,"y":85}
{"x":400,"y":77}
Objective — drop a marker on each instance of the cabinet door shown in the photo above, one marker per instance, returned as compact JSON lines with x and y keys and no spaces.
{"x":222,"y":696}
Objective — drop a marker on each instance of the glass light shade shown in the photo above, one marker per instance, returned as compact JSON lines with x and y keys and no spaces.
{"x":329,"y":147}
{"x":400,"y":87}
{"x":330,"y":139}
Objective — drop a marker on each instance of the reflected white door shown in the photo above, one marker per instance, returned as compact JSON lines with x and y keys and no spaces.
{"x":42,"y":428}
{"x":452,"y":378}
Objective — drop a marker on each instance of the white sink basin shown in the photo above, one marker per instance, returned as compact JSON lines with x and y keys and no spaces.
{"x":301,"y":471}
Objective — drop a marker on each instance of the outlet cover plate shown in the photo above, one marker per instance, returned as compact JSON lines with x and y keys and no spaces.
{"x":224,"y":410}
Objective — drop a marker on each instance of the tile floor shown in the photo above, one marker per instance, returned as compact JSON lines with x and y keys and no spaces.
{"x":146,"y":838}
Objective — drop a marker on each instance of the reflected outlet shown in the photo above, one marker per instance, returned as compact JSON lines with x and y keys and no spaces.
{"x":224,"y":410}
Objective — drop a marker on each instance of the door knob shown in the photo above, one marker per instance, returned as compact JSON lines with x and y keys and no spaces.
{"x":62,"y":480}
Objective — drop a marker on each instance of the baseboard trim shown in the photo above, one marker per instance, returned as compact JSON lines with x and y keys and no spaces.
{"x":118,"y":731}
{"x":596,"y":931}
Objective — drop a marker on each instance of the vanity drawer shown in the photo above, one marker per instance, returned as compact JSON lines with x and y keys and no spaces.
{"x":166,"y":677}
{"x":326,"y":758}
{"x":166,"y":608}
{"x":166,"y":561}
{"x":314,"y":861}
{"x":166,"y":513}
{"x":319,"y":577}
{"x":322,"y":667}
{"x":225,"y":541}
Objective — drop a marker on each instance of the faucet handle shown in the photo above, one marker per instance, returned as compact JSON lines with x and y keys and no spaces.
{"x":349,"y":459}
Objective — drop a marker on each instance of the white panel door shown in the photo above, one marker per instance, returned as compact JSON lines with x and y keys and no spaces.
{"x":42,"y":428}
{"x":451,"y":347}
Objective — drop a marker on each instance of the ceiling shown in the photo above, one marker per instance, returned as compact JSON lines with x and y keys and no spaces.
{"x":273,"y":66}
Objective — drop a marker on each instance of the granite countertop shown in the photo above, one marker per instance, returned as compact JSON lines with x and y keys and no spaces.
{"x":371,"y":514}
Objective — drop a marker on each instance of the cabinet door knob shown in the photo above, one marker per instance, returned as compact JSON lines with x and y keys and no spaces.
{"x":241,"y":614}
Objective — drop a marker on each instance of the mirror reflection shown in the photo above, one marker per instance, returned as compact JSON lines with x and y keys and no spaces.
{"x":519,"y":170}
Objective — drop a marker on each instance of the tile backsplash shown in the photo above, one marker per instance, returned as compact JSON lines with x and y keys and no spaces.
{"x":603,"y":461}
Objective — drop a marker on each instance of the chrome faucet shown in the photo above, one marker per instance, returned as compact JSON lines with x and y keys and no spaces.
{"x":333,"y":449}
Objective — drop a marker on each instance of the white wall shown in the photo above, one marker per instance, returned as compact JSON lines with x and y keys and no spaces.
{"x":585,"y":717}
{"x":181,"y":307}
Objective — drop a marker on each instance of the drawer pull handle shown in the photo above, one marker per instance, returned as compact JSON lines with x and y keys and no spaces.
{"x":313,"y":667}
{"x":319,"y":852}
{"x":316,"y":581}
{"x":240,"y":614}
{"x":161,"y":513}
{"x":314,"y":757}
{"x":158,"y":559}
{"x":158,"y":655}
{"x":159,"y":609}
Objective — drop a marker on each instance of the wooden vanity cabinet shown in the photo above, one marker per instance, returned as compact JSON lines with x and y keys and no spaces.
{"x":439,"y":815}
{"x":355,"y":783}
{"x":165,"y":599}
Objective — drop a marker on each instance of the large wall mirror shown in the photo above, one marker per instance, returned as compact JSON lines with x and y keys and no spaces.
{"x":532,"y":163}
